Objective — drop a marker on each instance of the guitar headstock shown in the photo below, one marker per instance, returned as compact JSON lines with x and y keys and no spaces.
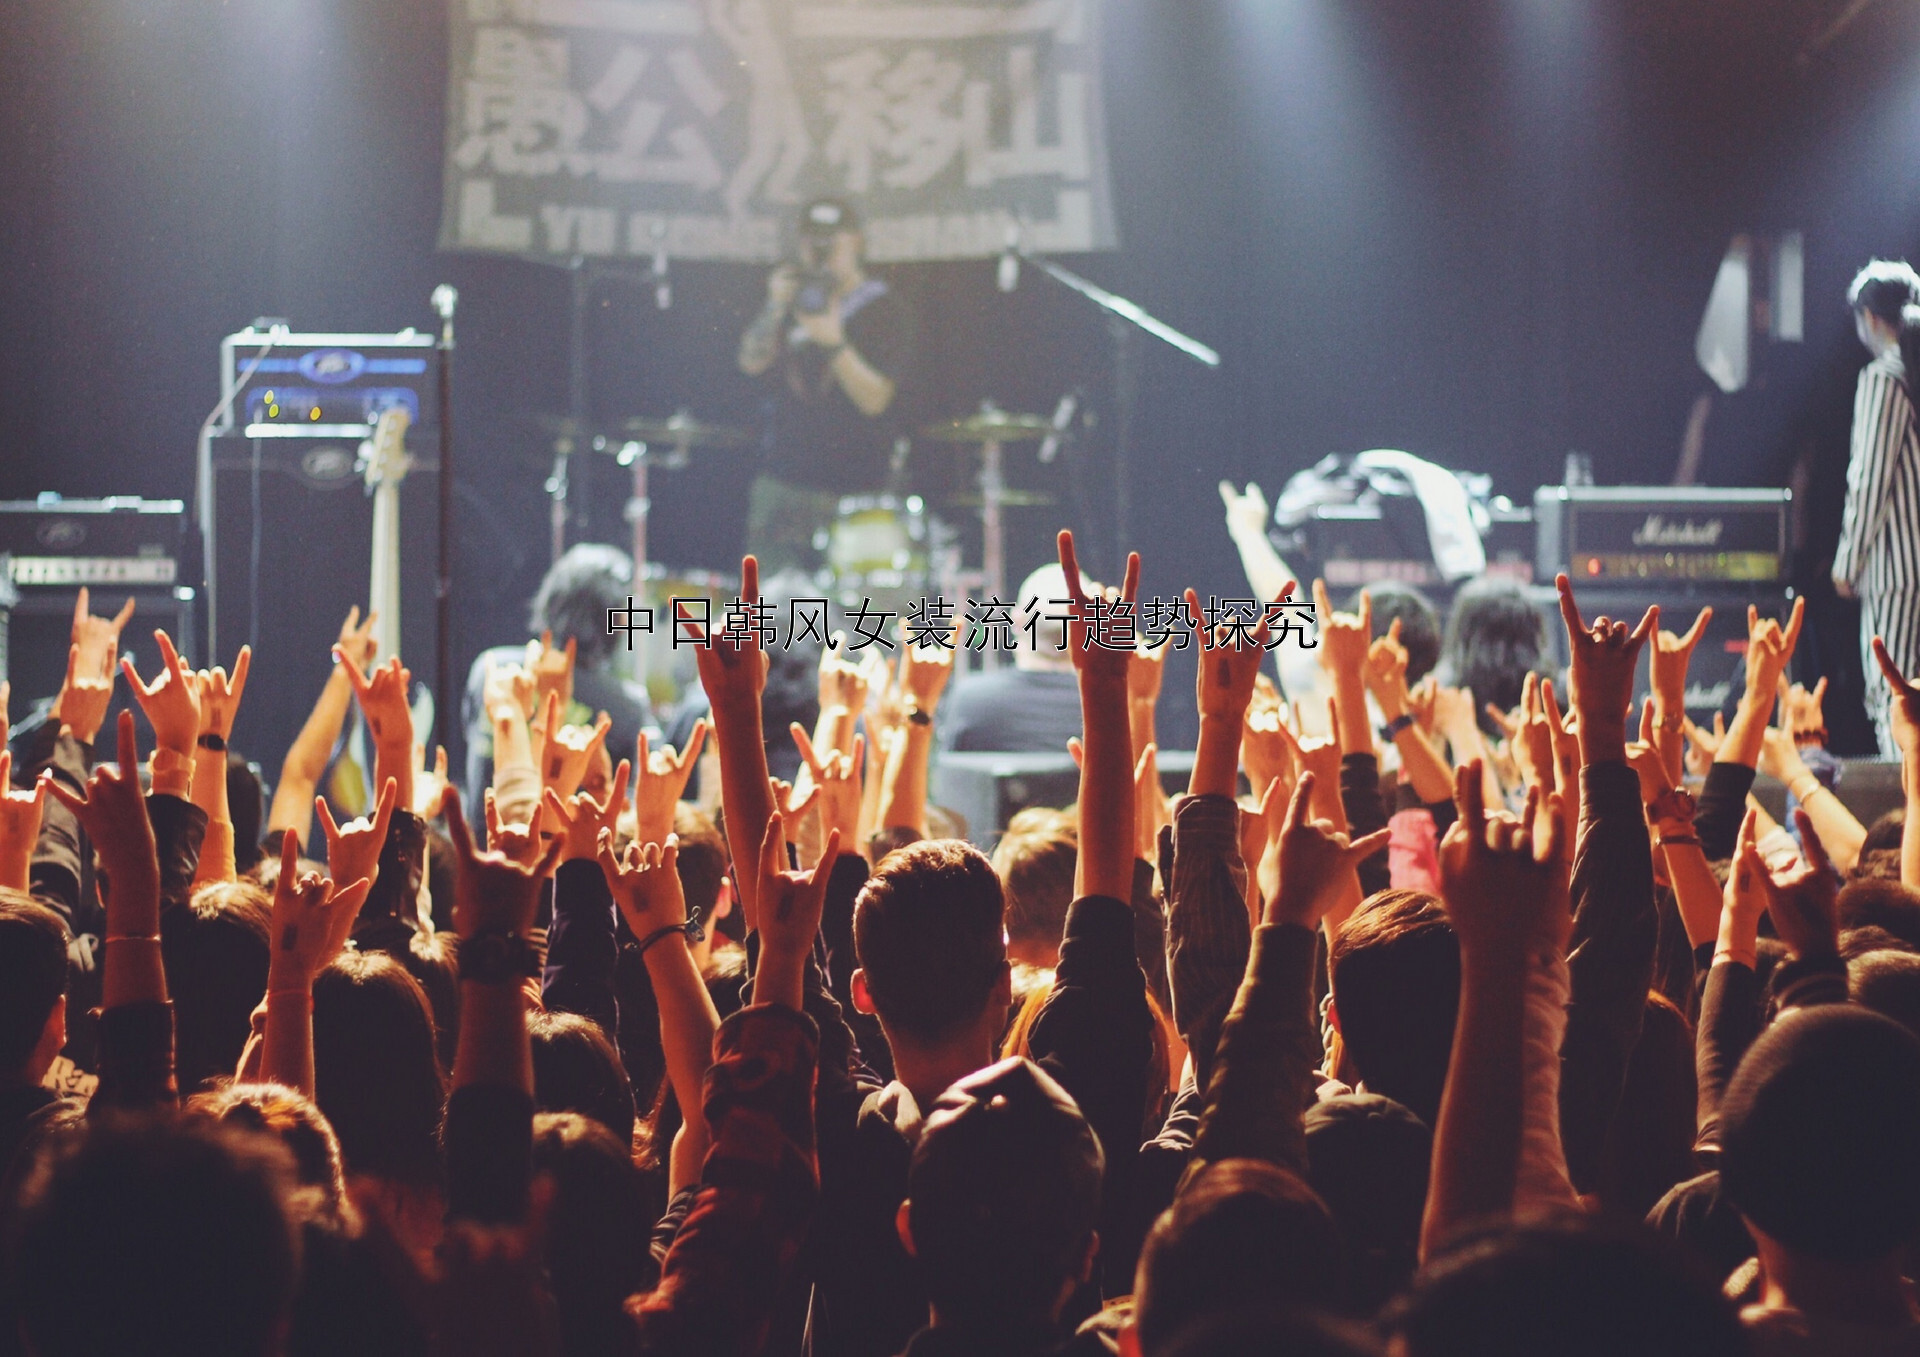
{"x":386,"y":452}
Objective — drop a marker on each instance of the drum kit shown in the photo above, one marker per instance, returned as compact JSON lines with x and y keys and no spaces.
{"x":884,"y":547}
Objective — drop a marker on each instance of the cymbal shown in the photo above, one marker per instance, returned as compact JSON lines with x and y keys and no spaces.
{"x":990,"y":426}
{"x":1009,"y":499}
{"x":682,"y":430}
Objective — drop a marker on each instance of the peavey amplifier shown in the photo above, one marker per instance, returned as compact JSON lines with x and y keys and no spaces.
{"x":1629,"y":534}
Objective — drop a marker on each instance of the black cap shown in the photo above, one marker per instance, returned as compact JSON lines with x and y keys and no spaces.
{"x":825,"y":216}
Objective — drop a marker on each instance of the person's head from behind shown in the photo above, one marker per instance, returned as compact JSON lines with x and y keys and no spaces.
{"x":1002,"y":1196}
{"x":1887,"y":981}
{"x":1817,"y":1137}
{"x":293,"y":1119}
{"x":1262,"y":1330}
{"x":247,"y":809}
{"x":1495,"y":638}
{"x":1395,"y":970}
{"x":1419,"y":624}
{"x":928,"y":934}
{"x":575,"y":595}
{"x":1882,"y":903}
{"x":702,"y":865}
{"x":1042,"y":602}
{"x":1368,"y":1159}
{"x":1886,"y":831}
{"x":1879,"y":296}
{"x":1036,"y":858}
{"x":33,"y":989}
{"x":1241,"y":1229}
{"x":376,"y":1073}
{"x":1579,"y":1286}
{"x":576,"y":1069}
{"x":157,"y":1235}
{"x":216,"y":955}
{"x":596,"y":1236}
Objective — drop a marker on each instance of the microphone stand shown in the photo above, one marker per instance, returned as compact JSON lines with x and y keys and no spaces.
{"x":1125,"y":320}
{"x":444,"y":299}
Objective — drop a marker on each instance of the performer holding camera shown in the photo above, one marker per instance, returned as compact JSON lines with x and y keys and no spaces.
{"x":836,"y":346}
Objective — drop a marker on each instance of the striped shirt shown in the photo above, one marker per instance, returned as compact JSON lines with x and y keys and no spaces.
{"x":1879,"y":551}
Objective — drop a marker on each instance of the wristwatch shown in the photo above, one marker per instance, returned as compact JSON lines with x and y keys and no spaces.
{"x":1675,"y":804}
{"x":1391,"y":730}
{"x":498,"y":956}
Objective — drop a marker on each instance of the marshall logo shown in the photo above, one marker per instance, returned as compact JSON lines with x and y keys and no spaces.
{"x":1658,"y":532}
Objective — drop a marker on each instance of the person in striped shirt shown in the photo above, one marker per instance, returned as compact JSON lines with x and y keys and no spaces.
{"x":1878,"y":559}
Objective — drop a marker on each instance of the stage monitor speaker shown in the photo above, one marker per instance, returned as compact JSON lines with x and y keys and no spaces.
{"x":292,"y":553}
{"x":1718,"y":670}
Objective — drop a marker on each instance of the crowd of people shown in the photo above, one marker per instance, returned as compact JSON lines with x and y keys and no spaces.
{"x":1465,"y":1011}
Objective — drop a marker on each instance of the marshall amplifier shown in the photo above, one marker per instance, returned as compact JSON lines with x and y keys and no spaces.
{"x":1627,"y":535}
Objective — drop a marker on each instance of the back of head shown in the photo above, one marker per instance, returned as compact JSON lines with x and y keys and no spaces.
{"x":293,"y":1119}
{"x":1002,"y":1196}
{"x":1262,"y":1331}
{"x":1884,"y":289}
{"x":1036,"y":861}
{"x":1580,"y":1287}
{"x":1495,"y":637}
{"x":1881,"y":902}
{"x":928,"y":932}
{"x":1885,"y":832}
{"x":596,"y":1221}
{"x":1395,"y":969}
{"x":576,"y":1069}
{"x":247,"y":809}
{"x":1888,"y":982}
{"x":1367,"y":1159}
{"x":575,"y":595}
{"x":1242,"y":1229}
{"x":702,"y":861}
{"x":216,"y":953}
{"x":157,"y":1235}
{"x":376,"y":1073}
{"x":33,"y":978}
{"x":1042,"y":596}
{"x":1817,"y":1136}
{"x":1419,"y":624}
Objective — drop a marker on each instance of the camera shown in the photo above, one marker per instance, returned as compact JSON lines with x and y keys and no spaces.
{"x":815,"y":292}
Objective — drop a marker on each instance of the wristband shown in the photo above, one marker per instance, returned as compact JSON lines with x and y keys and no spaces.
{"x":1673,"y":840}
{"x":209,"y":740}
{"x":499,"y":956}
{"x":1404,"y":721}
{"x":917,"y":717}
{"x":690,"y":930}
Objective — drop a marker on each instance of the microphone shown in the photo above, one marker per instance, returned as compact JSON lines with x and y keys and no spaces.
{"x":1063,"y":414}
{"x":1008,"y":276}
{"x":444,"y":298}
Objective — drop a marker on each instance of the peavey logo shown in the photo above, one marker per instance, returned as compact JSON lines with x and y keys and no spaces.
{"x":1657,"y":532}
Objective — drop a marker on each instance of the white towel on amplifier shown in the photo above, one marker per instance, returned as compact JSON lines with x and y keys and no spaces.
{"x":1451,"y":529}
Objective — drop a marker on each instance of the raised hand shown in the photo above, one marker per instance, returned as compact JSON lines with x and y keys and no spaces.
{"x":519,"y":843}
{"x":171,"y":701}
{"x":733,"y":669}
{"x":567,"y":751}
{"x":1092,"y":661}
{"x":1604,"y":657}
{"x":1229,"y":664}
{"x":307,"y":914}
{"x":1266,"y":749}
{"x":97,"y":639}
{"x":1320,"y":757}
{"x":789,"y":907}
{"x":493,"y":892}
{"x":837,"y":776}
{"x":1503,"y":882}
{"x":660,"y":780}
{"x":1386,"y":670}
{"x":843,"y":684}
{"x":1308,"y":864}
{"x":82,"y":702}
{"x":551,"y":670}
{"x":1770,"y":648}
{"x":353,"y":849}
{"x":383,"y":701}
{"x":1532,"y":738}
{"x":355,"y":644}
{"x":1904,"y":708}
{"x":1345,"y":638}
{"x":19,"y":825}
{"x":644,"y":882}
{"x":793,"y":802}
{"x":429,"y":784}
{"x":509,"y":685}
{"x":1643,"y":756}
{"x":1145,"y":672}
{"x":114,"y":814}
{"x":1246,"y":513}
{"x":582,"y":817}
{"x":1802,"y":713}
{"x":220,"y":696}
{"x":1669,"y":660}
{"x":925,"y":671}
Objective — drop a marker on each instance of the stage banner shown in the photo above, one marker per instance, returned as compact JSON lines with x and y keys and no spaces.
{"x":695,"y":128}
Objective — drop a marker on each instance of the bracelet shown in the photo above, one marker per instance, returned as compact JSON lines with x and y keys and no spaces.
{"x":691,"y":930}
{"x":1748,"y":959}
{"x":1404,"y":721}
{"x":918,"y":717}
{"x":133,"y":937}
{"x":209,"y":740}
{"x":1818,"y":786}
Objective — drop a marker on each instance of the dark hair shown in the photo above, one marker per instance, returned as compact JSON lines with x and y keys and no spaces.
{"x":597,"y":1240}
{"x":157,"y":1235}
{"x":1884,"y":288}
{"x":375,"y":1070}
{"x":1886,"y":831}
{"x":575,"y":596}
{"x":701,"y":863}
{"x":1875,"y":864}
{"x":1817,"y":1129}
{"x":1881,"y":903}
{"x":576,"y":1069}
{"x":293,"y":1119}
{"x":246,"y":810}
{"x":1395,"y":972}
{"x":1241,"y":1228}
{"x":1578,"y":1285}
{"x":216,"y":953}
{"x":1259,"y":1330}
{"x":1368,"y":1159}
{"x":1419,"y":624}
{"x":33,"y":975}
{"x":1888,"y":982}
{"x":1495,"y":638}
{"x":927,"y":929}
{"x":1036,"y":859}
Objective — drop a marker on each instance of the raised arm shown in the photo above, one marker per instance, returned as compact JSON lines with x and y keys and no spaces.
{"x":383,"y":701}
{"x":1247,"y":526}
{"x":733,"y":670}
{"x":1904,"y":710}
{"x":1105,"y":865}
{"x":219,"y":703}
{"x":924,"y":672}
{"x":306,"y":760}
{"x":1669,"y":659}
{"x":306,"y":936}
{"x":1386,"y":676}
{"x":1723,"y":798}
{"x":583,"y":949}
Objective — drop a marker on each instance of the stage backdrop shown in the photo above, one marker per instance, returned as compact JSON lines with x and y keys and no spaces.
{"x":694,"y":128}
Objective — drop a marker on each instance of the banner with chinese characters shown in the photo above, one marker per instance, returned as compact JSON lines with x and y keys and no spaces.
{"x":696,"y":128}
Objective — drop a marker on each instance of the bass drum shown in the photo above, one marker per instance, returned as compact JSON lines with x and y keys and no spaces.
{"x":877,"y":548}
{"x":669,"y":670}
